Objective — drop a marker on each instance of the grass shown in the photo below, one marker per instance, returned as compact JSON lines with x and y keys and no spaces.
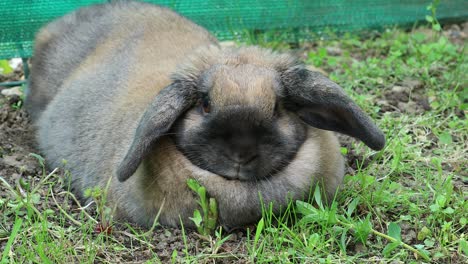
{"x":405,"y":204}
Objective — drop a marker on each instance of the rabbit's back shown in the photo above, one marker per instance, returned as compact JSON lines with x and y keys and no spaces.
{"x":94,"y":73}
{"x":90,"y":35}
{"x":60,"y":48}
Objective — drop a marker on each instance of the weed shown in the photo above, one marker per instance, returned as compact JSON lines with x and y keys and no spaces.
{"x":105,"y":212}
{"x":206,"y":223}
{"x":432,"y":18}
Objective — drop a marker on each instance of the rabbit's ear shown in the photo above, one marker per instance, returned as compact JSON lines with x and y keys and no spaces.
{"x":158,"y":119}
{"x":323,"y":104}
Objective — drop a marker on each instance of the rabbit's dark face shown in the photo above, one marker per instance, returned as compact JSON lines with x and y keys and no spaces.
{"x":239,"y":128}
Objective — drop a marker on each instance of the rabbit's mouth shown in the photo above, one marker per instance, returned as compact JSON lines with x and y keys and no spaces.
{"x":236,"y":174}
{"x":240,"y":172}
{"x":244,"y":171}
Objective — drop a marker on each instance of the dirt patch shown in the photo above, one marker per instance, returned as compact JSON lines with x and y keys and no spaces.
{"x":16,"y":143}
{"x":405,"y":97}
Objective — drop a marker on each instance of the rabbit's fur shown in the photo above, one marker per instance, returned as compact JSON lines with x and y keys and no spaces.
{"x":134,"y":95}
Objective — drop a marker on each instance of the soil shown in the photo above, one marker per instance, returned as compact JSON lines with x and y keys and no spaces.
{"x":17,"y":142}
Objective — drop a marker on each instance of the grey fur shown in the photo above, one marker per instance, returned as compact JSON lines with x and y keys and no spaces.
{"x":137,"y":95}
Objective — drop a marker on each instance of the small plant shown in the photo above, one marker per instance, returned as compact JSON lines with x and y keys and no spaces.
{"x":219,"y":240}
{"x":17,"y":105}
{"x":205,"y":223}
{"x":99,"y":196}
{"x":432,"y":18}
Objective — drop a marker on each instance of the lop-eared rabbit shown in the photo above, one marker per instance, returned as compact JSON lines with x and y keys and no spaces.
{"x":138,"y":99}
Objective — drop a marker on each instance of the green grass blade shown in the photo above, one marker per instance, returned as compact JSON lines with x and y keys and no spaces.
{"x":14,"y":233}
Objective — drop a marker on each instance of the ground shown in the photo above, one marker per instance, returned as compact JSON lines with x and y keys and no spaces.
{"x":406,"y":203}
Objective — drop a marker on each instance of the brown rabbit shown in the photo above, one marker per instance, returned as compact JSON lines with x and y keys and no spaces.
{"x":137,"y":95}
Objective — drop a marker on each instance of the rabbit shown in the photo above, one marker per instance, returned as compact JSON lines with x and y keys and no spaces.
{"x":139,"y":99}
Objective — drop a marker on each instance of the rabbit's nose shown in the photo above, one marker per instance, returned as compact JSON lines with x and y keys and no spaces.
{"x":243,"y":149}
{"x":244,"y":157}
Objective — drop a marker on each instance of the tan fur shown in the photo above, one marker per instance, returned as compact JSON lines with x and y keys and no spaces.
{"x":244,"y":85}
{"x":204,"y":57}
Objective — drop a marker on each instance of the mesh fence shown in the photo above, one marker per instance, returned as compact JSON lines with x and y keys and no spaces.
{"x":21,"y":19}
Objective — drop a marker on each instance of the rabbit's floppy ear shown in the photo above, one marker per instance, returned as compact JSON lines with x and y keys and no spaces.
{"x":323,"y":104}
{"x":158,"y":119}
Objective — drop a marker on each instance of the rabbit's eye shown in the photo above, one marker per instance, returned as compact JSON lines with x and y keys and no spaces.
{"x":205,"y":105}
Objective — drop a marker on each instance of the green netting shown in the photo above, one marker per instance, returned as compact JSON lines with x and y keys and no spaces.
{"x":20,"y":19}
